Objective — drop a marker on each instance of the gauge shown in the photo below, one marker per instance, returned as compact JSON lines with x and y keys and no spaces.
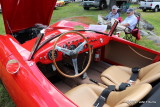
{"x":72,"y":47}
{"x":79,"y":43}
{"x":64,"y":46}
{"x":50,"y":54}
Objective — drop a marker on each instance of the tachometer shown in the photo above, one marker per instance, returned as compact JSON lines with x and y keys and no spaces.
{"x":50,"y":54}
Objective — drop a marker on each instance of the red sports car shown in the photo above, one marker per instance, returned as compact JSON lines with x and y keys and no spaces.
{"x":58,"y":66}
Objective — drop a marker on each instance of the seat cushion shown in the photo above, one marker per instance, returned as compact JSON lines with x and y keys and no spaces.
{"x":115,"y":75}
{"x":130,"y":96}
{"x":85,"y":95}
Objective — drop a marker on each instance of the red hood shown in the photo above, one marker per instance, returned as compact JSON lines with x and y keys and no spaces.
{"x":22,"y":14}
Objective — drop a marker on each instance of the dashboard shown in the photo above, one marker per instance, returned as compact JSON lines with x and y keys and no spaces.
{"x":69,"y":41}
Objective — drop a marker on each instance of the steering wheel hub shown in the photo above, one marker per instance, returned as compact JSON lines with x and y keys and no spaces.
{"x":73,"y":54}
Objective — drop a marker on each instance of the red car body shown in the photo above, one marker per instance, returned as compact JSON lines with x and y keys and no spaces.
{"x":30,"y":94}
{"x":29,"y":87}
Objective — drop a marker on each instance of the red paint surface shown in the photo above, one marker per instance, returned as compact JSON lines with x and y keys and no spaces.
{"x":22,"y":14}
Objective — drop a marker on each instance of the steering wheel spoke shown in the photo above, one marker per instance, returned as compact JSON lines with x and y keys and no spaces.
{"x":63,"y":50}
{"x":75,"y":65}
{"x":80,"y":47}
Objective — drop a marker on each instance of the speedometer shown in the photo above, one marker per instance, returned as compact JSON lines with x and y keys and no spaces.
{"x":50,"y":55}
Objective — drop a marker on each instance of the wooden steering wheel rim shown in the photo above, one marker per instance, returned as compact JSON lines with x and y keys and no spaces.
{"x":54,"y":60}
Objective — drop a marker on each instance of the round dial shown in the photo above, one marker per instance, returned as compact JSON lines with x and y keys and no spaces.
{"x":50,"y":54}
{"x":72,"y":47}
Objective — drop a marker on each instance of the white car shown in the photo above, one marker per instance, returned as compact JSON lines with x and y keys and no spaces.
{"x":150,"y":5}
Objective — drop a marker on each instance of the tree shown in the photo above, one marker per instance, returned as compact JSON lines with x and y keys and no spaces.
{"x":111,"y":3}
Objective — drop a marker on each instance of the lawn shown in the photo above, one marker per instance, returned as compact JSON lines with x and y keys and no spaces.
{"x":5,"y":100}
{"x":75,"y":9}
{"x":1,"y":25}
{"x":88,"y":17}
{"x":153,"y":18}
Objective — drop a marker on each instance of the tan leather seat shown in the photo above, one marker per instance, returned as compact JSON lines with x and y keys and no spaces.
{"x":85,"y":95}
{"x":115,"y":75}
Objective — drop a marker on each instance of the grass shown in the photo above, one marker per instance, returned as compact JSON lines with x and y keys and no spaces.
{"x":152,"y":18}
{"x":89,"y":17}
{"x":5,"y":100}
{"x":76,"y":10}
{"x":2,"y":31}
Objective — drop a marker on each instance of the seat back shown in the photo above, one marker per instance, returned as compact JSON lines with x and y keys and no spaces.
{"x":135,"y":32}
{"x":150,"y":73}
{"x":138,"y":19}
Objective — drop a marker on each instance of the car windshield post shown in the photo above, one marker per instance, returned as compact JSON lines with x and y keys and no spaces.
{"x":113,"y":28}
{"x":39,"y":38}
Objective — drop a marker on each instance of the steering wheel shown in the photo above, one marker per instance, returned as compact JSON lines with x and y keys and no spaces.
{"x":73,"y":54}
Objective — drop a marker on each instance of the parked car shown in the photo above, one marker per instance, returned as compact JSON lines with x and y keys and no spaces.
{"x":44,"y":65}
{"x":60,"y":3}
{"x":134,"y":1}
{"x":66,"y":1}
{"x":150,"y":5}
{"x":101,"y":4}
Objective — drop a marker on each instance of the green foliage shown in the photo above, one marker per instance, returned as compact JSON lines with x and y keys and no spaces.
{"x":75,"y":9}
{"x":149,"y":44}
{"x":2,"y":31}
{"x":151,"y":17}
{"x":5,"y":100}
{"x":78,"y":27}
